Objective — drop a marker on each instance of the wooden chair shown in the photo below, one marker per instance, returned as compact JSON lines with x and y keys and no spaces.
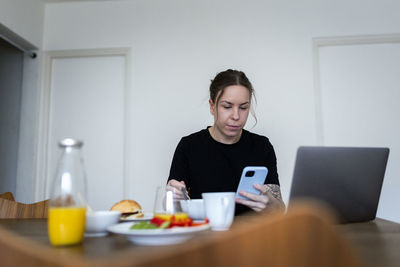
{"x":7,"y":195}
{"x":11,"y":209}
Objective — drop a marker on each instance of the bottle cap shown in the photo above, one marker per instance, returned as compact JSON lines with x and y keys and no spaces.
{"x":70,"y":142}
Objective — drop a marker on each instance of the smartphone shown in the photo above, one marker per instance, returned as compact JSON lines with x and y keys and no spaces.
{"x":250,"y":176}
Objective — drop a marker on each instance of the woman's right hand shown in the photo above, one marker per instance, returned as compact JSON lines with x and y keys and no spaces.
{"x":178,"y":194}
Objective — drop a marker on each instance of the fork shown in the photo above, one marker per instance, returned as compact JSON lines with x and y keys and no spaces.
{"x":185,"y":193}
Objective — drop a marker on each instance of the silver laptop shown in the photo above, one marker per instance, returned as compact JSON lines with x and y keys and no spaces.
{"x":348,"y":179}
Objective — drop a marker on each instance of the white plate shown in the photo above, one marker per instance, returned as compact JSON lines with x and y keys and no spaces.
{"x":156,"y":237}
{"x":147,"y":216}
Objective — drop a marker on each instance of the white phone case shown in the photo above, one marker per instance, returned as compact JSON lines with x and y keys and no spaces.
{"x":250,"y":176}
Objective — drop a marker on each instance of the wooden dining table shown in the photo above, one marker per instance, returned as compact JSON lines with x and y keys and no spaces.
{"x":377,"y":242}
{"x":92,"y":248}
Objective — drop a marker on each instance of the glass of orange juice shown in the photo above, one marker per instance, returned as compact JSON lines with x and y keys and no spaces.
{"x":67,"y":209}
{"x":166,"y":203}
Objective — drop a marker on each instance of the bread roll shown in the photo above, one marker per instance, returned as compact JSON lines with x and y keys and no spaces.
{"x":130,"y":209}
{"x":127,"y":206}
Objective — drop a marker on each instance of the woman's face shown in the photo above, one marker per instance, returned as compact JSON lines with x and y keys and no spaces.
{"x":230,"y":113}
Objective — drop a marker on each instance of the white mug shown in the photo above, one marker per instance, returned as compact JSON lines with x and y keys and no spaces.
{"x":220,"y":209}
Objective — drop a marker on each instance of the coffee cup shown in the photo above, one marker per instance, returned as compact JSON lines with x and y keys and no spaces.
{"x":220,"y":209}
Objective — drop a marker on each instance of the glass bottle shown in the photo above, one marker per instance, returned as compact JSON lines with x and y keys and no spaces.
{"x":67,"y":207}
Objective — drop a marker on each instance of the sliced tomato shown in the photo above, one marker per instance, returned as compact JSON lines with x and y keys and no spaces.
{"x":206,"y":221}
{"x":158,"y":221}
{"x":178,"y":219}
{"x":164,"y":216}
{"x":181,"y":221}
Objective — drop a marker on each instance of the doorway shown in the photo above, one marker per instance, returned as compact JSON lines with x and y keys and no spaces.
{"x":11,"y":68}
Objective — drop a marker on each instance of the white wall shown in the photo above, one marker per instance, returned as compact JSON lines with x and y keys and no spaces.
{"x":178,"y":46}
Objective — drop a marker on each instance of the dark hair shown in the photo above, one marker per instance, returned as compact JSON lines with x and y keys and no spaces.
{"x":228,"y":78}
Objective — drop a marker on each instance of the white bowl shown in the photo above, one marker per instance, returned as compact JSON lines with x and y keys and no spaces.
{"x":194,"y":207}
{"x":97,"y":222}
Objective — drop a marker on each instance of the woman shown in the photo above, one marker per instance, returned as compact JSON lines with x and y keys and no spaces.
{"x":212,"y":159}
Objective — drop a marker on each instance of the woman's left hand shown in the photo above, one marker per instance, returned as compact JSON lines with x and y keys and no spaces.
{"x":269,"y":200}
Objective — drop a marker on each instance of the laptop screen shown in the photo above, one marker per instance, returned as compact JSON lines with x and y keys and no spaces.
{"x":348,"y":179}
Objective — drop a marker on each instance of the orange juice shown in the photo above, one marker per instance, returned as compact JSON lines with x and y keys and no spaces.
{"x":66,"y":225}
{"x":181,"y":216}
{"x":167,"y":216}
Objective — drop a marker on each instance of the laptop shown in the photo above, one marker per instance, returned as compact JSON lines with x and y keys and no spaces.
{"x":348,"y":179}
